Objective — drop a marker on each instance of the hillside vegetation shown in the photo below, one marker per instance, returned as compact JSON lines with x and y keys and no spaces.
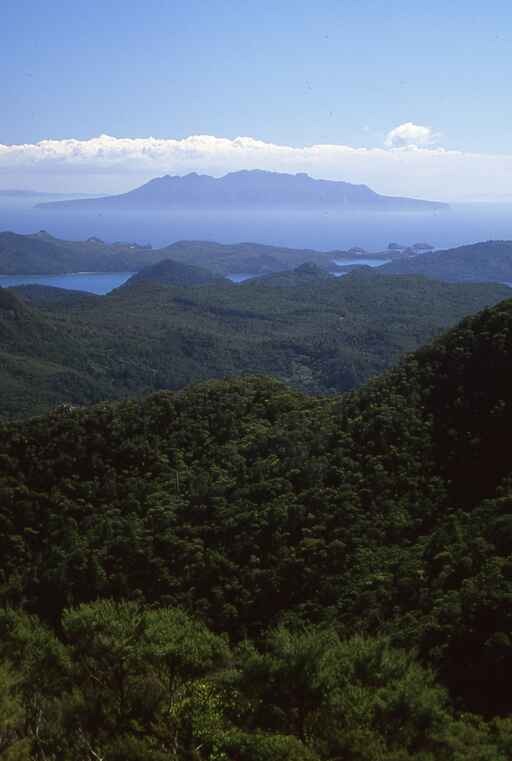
{"x":317,"y":333}
{"x":479,"y":262}
{"x":240,"y":572}
{"x":170,"y":272}
{"x":42,"y":253}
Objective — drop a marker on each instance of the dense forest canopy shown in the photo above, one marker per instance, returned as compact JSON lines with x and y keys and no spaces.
{"x":319,"y":334}
{"x":238,"y":571}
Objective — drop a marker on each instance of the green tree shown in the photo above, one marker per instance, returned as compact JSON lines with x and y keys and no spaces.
{"x":142,"y":681}
{"x":14,"y":744}
{"x":41,"y":667}
{"x":357,"y":699}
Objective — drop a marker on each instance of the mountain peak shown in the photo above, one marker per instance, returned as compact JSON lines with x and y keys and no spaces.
{"x":251,"y":189}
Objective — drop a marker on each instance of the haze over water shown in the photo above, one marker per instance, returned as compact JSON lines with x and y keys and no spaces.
{"x":464,"y":223}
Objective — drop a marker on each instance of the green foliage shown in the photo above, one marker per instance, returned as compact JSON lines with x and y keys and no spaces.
{"x":298,"y":695}
{"x":357,"y":698}
{"x":39,"y":664}
{"x":238,"y":570}
{"x":169,"y":272}
{"x":243,"y":502}
{"x":259,"y":746}
{"x":136,"y":670}
{"x":44,"y":254}
{"x":318,"y":333}
{"x":13,"y":744}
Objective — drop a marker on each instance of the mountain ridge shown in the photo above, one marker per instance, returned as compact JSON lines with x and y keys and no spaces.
{"x":483,"y":261}
{"x":42,"y":253}
{"x":247,"y":189}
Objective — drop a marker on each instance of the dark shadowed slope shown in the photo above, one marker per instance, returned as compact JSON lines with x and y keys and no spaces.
{"x":385,"y":511}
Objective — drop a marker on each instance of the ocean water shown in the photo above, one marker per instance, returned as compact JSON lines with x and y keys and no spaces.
{"x":366,"y":260}
{"x":92,"y":282}
{"x":464,"y":223}
{"x":241,"y":277}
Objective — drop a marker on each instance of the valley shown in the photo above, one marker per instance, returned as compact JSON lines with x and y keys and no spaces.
{"x":318,"y":333}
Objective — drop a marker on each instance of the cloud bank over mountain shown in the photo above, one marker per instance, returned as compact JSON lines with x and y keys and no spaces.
{"x":410,"y":163}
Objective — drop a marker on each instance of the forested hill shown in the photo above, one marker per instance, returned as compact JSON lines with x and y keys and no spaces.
{"x":169,"y":272}
{"x":307,"y":274}
{"x":318,"y":333}
{"x":42,"y":253}
{"x":384,"y":514}
{"x":479,"y":262}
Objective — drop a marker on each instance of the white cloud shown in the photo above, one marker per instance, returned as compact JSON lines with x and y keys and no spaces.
{"x":110,"y":164}
{"x":409,"y":134}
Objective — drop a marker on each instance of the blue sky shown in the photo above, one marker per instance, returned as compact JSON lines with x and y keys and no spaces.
{"x":343,"y":72}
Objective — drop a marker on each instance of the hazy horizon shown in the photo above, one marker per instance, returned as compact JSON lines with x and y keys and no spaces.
{"x":464,"y":223}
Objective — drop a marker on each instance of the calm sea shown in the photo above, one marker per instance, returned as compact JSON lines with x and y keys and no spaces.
{"x":93,"y":282}
{"x":464,"y":223}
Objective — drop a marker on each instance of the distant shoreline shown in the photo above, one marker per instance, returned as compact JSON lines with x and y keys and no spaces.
{"x":62,"y":274}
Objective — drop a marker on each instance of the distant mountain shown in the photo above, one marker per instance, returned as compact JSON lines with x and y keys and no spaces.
{"x":169,"y":272}
{"x":484,"y":262}
{"x":249,"y":189}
